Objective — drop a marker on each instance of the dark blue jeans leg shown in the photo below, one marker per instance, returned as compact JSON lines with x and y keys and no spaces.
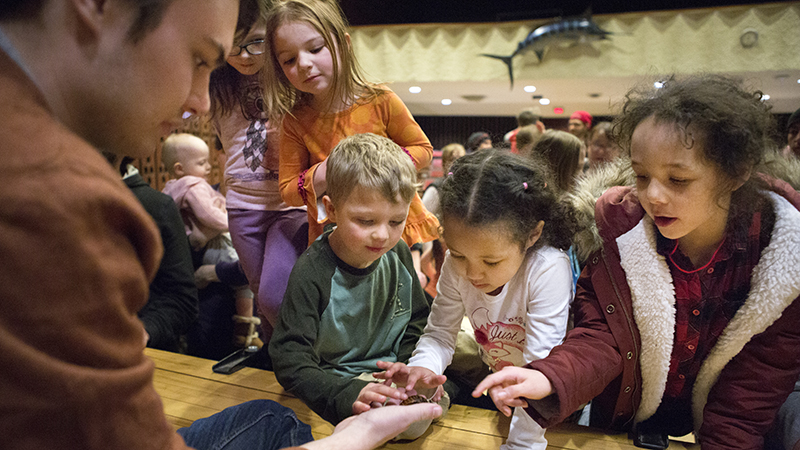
{"x":257,"y":424}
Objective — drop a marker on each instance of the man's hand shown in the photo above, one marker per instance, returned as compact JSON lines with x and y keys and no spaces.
{"x":374,"y":427}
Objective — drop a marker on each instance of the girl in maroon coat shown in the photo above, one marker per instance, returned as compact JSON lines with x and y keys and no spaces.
{"x":686,"y":313}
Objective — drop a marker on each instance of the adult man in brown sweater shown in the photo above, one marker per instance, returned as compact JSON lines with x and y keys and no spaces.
{"x":77,"y":249}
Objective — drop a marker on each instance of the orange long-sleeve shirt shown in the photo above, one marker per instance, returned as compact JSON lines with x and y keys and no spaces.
{"x":307,"y":138}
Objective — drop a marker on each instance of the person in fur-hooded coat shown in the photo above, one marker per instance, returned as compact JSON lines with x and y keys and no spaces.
{"x":620,"y":352}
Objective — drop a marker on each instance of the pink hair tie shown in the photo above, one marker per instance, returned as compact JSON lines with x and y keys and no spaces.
{"x":525,"y":185}
{"x":449,"y":173}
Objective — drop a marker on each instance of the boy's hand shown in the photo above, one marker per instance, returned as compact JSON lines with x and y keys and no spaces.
{"x":510,"y":384}
{"x":403,"y":375}
{"x":374,"y":395}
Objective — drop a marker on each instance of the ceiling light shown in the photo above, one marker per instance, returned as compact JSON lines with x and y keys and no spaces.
{"x":530,"y":88}
{"x":544,"y":101}
{"x":446,"y":101}
{"x":415,"y":89}
{"x":798,"y":80}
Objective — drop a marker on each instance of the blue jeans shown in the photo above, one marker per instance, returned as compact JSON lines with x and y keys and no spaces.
{"x":257,"y":424}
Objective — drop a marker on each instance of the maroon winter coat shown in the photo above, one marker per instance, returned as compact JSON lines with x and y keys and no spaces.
{"x":616,"y":355}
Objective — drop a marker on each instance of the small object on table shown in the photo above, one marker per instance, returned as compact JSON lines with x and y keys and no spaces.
{"x":414,"y":399}
{"x":235,"y":360}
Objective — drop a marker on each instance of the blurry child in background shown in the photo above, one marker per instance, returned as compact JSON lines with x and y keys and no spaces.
{"x":526,"y":138}
{"x":353,"y":297}
{"x":600,"y":147}
{"x":206,"y":220}
{"x":524,"y":118}
{"x":506,"y":269}
{"x":267,"y":233}
{"x":433,"y":252}
{"x":430,"y":197}
{"x":314,"y":85}
{"x":562,"y":151}
{"x":479,"y":140}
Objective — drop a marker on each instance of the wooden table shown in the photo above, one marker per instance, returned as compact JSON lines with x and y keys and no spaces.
{"x":190,"y":391}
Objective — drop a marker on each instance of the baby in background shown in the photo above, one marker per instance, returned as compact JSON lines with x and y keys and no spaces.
{"x":205,"y":217}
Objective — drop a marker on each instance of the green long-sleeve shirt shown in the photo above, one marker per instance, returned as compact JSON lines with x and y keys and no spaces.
{"x":336,"y":321}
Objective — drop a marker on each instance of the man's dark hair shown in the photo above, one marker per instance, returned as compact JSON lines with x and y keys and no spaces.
{"x":150,"y":13}
{"x":18,"y":9}
{"x":149,"y":16}
{"x":527,"y":117}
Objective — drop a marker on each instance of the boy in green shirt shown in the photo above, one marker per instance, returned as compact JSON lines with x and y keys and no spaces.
{"x":353,"y":297}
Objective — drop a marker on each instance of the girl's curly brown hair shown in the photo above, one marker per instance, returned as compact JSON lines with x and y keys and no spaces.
{"x":733,"y":125}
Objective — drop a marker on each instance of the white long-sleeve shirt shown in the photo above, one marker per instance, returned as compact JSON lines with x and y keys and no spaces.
{"x":519,"y":325}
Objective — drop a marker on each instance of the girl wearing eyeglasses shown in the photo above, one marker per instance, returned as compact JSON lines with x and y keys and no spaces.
{"x":268,"y":234}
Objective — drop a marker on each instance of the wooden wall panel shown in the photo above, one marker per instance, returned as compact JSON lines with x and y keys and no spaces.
{"x":153,"y":171}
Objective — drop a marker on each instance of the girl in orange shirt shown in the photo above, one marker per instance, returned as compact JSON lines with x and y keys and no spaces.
{"x":314,"y":85}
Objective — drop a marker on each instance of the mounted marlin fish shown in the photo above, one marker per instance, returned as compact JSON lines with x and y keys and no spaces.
{"x":568,"y":31}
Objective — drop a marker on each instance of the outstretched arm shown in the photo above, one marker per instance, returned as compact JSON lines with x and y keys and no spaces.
{"x":510,"y":385}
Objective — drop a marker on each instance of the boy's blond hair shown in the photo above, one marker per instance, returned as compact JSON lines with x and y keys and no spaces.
{"x":175,"y":146}
{"x":372,"y":162}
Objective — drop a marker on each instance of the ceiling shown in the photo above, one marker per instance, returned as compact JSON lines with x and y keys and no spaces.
{"x":599,"y":96}
{"x":382,"y":12}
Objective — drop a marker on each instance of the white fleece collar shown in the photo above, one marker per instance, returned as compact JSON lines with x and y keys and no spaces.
{"x":775,"y":284}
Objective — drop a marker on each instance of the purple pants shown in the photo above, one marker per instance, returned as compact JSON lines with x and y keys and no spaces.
{"x":268,"y":244}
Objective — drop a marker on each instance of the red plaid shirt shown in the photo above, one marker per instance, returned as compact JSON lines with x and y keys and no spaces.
{"x":706,"y":299}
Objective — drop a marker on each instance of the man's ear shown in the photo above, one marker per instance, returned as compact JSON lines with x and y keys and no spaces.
{"x":90,"y":13}
{"x":329,"y":208}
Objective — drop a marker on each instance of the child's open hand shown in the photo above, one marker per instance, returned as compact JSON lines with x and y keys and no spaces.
{"x":510,"y":384}
{"x":374,"y":395}
{"x":403,"y":375}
